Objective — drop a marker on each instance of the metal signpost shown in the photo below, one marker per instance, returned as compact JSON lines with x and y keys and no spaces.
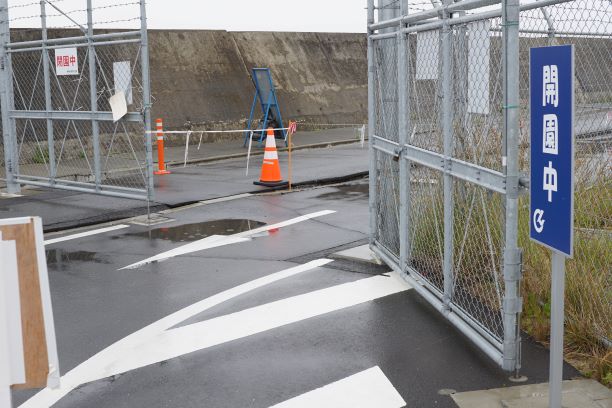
{"x":552,"y":181}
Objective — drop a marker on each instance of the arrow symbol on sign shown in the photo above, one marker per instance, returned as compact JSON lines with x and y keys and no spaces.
{"x":538,"y":220}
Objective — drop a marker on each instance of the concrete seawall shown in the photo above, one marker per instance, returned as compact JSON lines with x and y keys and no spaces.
{"x":204,"y":76}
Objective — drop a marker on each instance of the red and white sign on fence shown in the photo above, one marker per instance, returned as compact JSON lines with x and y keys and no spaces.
{"x":66,"y":61}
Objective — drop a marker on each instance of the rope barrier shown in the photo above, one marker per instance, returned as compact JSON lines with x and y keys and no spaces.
{"x":184,"y":132}
{"x":188,"y":133}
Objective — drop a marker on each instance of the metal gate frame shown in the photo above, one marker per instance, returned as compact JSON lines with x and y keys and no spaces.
{"x":444,"y":169}
{"x":94,"y":117}
{"x":504,"y":351}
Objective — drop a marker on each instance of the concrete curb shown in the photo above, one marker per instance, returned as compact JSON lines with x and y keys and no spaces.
{"x":260,"y":153}
{"x":156,"y":206}
{"x":101,"y":219}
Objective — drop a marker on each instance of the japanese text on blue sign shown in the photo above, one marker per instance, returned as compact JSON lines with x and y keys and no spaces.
{"x":552,"y":147}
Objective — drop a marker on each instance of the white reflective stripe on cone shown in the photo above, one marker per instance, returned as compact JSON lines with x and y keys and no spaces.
{"x":270,"y":142}
{"x":271,"y":155}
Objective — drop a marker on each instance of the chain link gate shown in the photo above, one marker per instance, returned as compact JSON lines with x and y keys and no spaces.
{"x":57,"y":81}
{"x":448,"y":105}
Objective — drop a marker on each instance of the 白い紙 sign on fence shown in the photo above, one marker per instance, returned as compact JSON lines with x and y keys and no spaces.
{"x":552,"y":147}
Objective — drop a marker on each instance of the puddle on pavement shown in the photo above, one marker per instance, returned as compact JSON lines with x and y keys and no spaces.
{"x":196,"y":231}
{"x":347,"y":192}
{"x":58,"y":258}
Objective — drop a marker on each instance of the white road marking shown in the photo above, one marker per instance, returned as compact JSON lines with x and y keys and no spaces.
{"x":187,"y":339}
{"x":367,"y":389}
{"x":85,"y":234}
{"x":220,"y":240}
{"x":212,"y":241}
{"x":96,"y":367}
{"x":157,"y":342}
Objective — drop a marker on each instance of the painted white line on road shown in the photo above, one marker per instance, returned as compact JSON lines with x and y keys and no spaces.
{"x":187,"y":339}
{"x":98,"y":366}
{"x":220,"y":240}
{"x":212,"y":241}
{"x":367,"y":389}
{"x":86,"y":234}
{"x":284,"y":223}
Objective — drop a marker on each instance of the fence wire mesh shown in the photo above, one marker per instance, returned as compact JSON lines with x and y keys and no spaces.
{"x":477,"y":216}
{"x":588,"y":327}
{"x":426,"y":226}
{"x":60,"y":123}
{"x":425,"y":86}
{"x":386,"y":125}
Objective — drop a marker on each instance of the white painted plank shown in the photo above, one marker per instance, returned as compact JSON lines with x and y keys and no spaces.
{"x":11,"y":337}
{"x":366,"y":389}
{"x":53,"y":378}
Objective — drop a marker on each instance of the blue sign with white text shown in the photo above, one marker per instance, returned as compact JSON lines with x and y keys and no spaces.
{"x":551,"y":71}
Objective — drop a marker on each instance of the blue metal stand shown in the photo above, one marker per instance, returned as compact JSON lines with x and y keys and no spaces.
{"x":266,"y":95}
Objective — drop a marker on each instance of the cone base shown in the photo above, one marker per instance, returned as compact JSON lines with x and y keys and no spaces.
{"x":160,"y":172}
{"x":272,"y":183}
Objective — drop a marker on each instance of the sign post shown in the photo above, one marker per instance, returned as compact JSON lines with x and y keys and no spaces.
{"x":551,"y":71}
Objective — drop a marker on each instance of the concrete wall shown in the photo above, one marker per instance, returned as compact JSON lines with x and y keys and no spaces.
{"x":204,"y":76}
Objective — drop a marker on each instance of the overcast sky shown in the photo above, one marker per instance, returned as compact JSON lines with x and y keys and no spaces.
{"x":259,"y":15}
{"x":231,"y":15}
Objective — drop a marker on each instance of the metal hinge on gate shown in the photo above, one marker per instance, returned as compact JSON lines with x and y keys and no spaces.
{"x":513,"y":259}
{"x":524,"y":184}
{"x":398,"y":153}
{"x":513,"y":305}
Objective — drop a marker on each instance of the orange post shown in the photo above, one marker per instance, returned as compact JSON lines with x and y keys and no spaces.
{"x":161,"y":164}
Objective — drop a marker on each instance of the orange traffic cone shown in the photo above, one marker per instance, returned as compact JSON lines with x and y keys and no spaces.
{"x":270,"y":169}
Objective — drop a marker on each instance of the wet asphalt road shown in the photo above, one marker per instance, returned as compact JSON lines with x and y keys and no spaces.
{"x":95,"y":305}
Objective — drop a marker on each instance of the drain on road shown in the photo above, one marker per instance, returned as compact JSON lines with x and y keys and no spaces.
{"x":150,"y":220}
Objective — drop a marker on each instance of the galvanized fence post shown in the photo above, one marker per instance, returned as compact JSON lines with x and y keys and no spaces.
{"x":6,"y":99}
{"x":402,"y":121}
{"x":512,"y":255}
{"x":48,"y":103}
{"x":371,"y":120}
{"x":93,"y":95}
{"x":447,"y":135}
{"x":146,"y":97}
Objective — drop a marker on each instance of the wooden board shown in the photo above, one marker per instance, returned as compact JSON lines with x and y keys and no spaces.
{"x":32,"y":317}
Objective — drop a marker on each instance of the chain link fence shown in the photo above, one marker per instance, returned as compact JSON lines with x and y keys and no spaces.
{"x":447,"y":147}
{"x":588,"y":326}
{"x":62,"y":65}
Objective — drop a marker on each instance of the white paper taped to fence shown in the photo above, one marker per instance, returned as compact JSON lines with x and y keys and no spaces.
{"x":428,"y":46}
{"x":122,"y":74}
{"x":66,"y":61}
{"x":118,"y":105}
{"x":478,"y":67}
